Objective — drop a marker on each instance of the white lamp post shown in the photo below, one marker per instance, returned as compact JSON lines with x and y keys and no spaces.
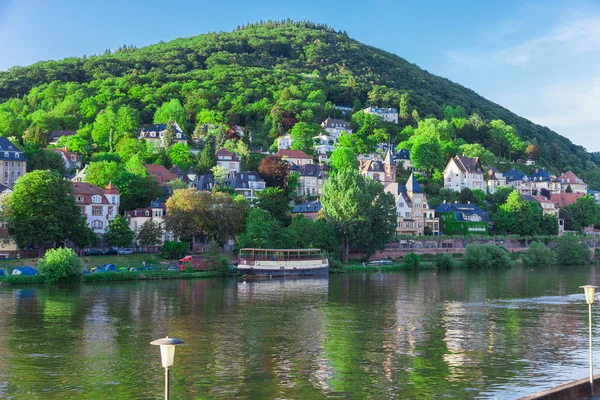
{"x":167,"y":356}
{"x":589,"y":298}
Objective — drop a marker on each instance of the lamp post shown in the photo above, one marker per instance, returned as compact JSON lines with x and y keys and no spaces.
{"x":167,"y":356}
{"x":589,"y":298}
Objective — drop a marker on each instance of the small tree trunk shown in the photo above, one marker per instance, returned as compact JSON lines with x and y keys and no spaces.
{"x":346,"y":250}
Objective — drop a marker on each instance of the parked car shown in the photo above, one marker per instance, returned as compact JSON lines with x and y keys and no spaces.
{"x":194,"y":262}
{"x":93,"y":252}
{"x":376,"y":263}
{"x":125,"y":251}
{"x":111,"y":252}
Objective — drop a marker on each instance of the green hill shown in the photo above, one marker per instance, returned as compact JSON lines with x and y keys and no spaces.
{"x":264,"y":76}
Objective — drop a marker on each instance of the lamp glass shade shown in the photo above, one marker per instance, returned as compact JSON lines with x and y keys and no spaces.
{"x":167,"y":355}
{"x":589,"y":293}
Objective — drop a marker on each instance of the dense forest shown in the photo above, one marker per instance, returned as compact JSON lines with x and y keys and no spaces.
{"x":266,"y":77}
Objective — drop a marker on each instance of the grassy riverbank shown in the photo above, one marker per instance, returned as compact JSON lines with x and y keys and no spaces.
{"x":133,"y":260}
{"x":113,"y":277}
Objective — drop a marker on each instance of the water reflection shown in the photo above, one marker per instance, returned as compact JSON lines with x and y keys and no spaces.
{"x":458,"y":334}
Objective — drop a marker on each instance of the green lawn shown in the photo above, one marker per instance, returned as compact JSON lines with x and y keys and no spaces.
{"x":133,"y":260}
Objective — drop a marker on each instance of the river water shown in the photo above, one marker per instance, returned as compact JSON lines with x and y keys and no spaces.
{"x":458,"y":335}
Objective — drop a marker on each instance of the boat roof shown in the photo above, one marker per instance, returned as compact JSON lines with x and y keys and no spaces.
{"x":250,"y":248}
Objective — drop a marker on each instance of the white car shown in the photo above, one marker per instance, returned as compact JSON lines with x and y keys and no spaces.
{"x":125,"y":251}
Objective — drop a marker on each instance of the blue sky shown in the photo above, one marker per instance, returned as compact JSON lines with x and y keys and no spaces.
{"x":539,"y":59}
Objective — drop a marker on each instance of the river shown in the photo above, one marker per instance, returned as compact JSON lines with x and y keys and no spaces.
{"x":458,"y":334}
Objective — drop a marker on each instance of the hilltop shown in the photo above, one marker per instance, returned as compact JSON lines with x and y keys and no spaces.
{"x":264,"y":76}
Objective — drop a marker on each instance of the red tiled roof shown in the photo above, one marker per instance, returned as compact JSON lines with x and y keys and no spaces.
{"x":111,"y":189}
{"x":565,"y":199}
{"x":293,"y":154}
{"x":85,"y":191}
{"x":570,"y":177}
{"x":160,"y":173}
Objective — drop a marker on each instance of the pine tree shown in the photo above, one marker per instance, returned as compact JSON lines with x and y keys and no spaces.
{"x":169,"y":136}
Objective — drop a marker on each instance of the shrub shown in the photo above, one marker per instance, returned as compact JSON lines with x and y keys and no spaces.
{"x":60,"y":265}
{"x":571,"y":250}
{"x":539,"y":254}
{"x":444,"y":261}
{"x":487,"y":256}
{"x":214,"y":261}
{"x":171,"y":250}
{"x":412,"y":261}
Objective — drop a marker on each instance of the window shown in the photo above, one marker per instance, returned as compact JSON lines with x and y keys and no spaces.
{"x":12,"y":164}
{"x":17,"y":155}
{"x":96,"y":199}
{"x":110,"y":211}
{"x":113,"y":200}
{"x":6,"y":154}
{"x":96,"y":210}
{"x":97,"y":224}
{"x":78,"y":198}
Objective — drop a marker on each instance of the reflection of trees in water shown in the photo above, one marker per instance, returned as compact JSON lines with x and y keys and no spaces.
{"x":380,"y":335}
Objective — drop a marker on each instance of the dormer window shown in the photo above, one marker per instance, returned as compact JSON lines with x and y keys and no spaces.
{"x":96,"y":199}
{"x":6,"y":154}
{"x":16,"y":155}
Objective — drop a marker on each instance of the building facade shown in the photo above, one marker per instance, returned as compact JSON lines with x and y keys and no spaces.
{"x":335,"y":127}
{"x":576,"y":183}
{"x":98,"y":206}
{"x":155,"y":212}
{"x":13,"y":164}
{"x":462,"y":219}
{"x":496,"y":180}
{"x":413,"y":213}
{"x":380,"y":171}
{"x":297,"y":157}
{"x":228,"y":160}
{"x":156,"y":134}
{"x":247,"y":184}
{"x":284,"y":142}
{"x":464,"y":173}
{"x":387,"y":114}
{"x":312,"y":178}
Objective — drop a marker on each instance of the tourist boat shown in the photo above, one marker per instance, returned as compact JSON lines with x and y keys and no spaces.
{"x":282,"y":262}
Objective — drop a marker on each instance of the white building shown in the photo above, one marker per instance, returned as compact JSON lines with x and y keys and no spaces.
{"x":576,"y":183}
{"x":462,"y":173}
{"x":156,"y":134}
{"x":335,"y":127}
{"x":312,"y":177}
{"x":284,"y":142}
{"x":388,"y":114}
{"x":98,"y":206}
{"x":297,"y":157}
{"x":496,"y":180}
{"x":156,"y":212}
{"x":228,"y":160}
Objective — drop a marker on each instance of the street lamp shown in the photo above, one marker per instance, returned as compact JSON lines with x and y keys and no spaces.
{"x":589,"y":298}
{"x":167,"y":356}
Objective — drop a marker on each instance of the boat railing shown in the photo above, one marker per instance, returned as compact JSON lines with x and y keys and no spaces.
{"x":280,"y":257}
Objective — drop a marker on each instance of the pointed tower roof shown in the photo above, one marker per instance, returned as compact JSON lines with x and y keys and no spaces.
{"x":389,"y":159}
{"x":412,"y":185}
{"x":111,"y":189}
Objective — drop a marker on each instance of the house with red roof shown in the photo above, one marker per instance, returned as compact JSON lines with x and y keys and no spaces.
{"x":297,"y":157}
{"x":561,"y":200}
{"x":99,"y":206}
{"x":228,"y":160}
{"x":71,"y":160}
{"x":576,"y":183}
{"x":160,"y":173}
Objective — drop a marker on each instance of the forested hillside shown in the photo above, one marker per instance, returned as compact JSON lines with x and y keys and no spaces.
{"x":266,"y":77}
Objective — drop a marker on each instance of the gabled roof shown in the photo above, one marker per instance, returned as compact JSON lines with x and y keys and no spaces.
{"x":85,"y":191}
{"x":159,"y":130}
{"x":515,"y":175}
{"x":315,"y":170}
{"x":181,"y":174}
{"x":468,"y":164}
{"x":561,"y":200}
{"x":10,"y":152}
{"x":462,"y":209}
{"x":160,"y":173}
{"x":541,"y":175}
{"x":403,"y":154}
{"x":4,"y":188}
{"x":55,"y":135}
{"x":570,"y":177}
{"x":412,"y":185}
{"x":312,"y":206}
{"x":223,"y":152}
{"x":335,"y":123}
{"x":67,"y":154}
{"x":293,"y":154}
{"x":398,"y":191}
{"x":373,"y":166}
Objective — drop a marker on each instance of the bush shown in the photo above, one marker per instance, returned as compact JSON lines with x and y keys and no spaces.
{"x":444,"y":261}
{"x":487,"y":256}
{"x":60,"y":265}
{"x":412,"y":261}
{"x":539,"y":254}
{"x":214,"y":261}
{"x":171,"y":250}
{"x":571,"y":250}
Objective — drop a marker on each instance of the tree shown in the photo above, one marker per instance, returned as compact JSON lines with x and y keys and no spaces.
{"x":60,"y":265}
{"x":181,"y":155}
{"x":425,"y":155}
{"x":185,"y":209}
{"x":169,"y":135}
{"x":136,"y":191}
{"x":568,"y":189}
{"x":219,"y":173}
{"x":405,"y":108}
{"x":136,"y":166}
{"x":214,"y":260}
{"x":101,"y":173}
{"x":343,"y":158}
{"x":532,"y":152}
{"x":42,"y":209}
{"x":476,"y":150}
{"x":104,"y":128}
{"x":518,"y":216}
{"x":314,"y":234}
{"x":259,"y":226}
{"x":207,"y":159}
{"x":274,"y":171}
{"x":35,"y":137}
{"x":363,"y":215}
{"x":118,"y":233}
{"x":45,"y":159}
{"x":170,"y":111}
{"x":275,"y":201}
{"x":128,"y":122}
{"x":150,"y":234}
{"x":539,"y":254}
{"x":549,"y":225}
{"x":224,"y":217}
{"x":571,"y":250}
{"x":584,"y":212}
{"x":302,"y":136}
